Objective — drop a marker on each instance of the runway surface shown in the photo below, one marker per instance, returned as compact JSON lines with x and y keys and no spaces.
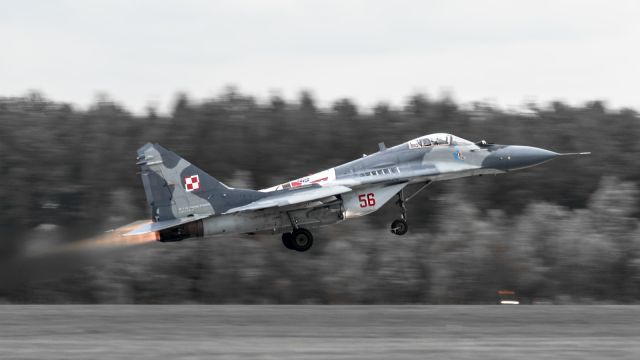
{"x":319,"y":332}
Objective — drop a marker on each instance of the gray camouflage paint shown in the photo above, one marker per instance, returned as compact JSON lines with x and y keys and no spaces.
{"x":163,"y":173}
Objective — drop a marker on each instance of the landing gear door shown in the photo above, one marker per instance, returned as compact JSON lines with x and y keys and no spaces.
{"x":365,"y":200}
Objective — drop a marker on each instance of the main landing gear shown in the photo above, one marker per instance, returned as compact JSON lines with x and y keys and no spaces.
{"x":299,"y":240}
{"x":400,"y":226}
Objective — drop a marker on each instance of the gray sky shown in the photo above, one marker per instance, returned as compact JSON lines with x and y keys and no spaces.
{"x":142,"y":52}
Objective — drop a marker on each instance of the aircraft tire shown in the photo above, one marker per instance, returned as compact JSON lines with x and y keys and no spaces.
{"x":399,"y":227}
{"x":287,"y":240}
{"x":301,"y":239}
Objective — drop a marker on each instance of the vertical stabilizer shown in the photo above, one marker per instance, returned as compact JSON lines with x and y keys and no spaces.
{"x":174,"y":187}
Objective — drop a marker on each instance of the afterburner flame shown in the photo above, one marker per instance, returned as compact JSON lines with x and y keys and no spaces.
{"x":115,"y":238}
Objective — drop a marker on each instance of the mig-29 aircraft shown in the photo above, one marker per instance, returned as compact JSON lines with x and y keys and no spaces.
{"x":187,"y":202}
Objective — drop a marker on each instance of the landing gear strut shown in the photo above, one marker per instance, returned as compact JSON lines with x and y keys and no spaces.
{"x":400,"y":226}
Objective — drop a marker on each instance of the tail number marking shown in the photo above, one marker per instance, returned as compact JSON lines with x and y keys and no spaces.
{"x":367,"y":200}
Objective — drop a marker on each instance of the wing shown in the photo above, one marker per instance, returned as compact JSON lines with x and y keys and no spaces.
{"x":292,"y":198}
{"x":162,"y":225}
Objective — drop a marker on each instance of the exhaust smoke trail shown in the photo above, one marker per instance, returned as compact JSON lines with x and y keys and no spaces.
{"x":48,"y":263}
{"x":109,"y":240}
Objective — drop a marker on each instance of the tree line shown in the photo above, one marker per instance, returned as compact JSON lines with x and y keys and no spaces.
{"x":565,"y":231}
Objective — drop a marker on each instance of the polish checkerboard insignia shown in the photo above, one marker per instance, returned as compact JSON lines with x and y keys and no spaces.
{"x":192,"y":183}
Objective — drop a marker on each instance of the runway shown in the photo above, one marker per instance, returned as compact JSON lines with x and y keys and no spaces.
{"x":318,"y":332}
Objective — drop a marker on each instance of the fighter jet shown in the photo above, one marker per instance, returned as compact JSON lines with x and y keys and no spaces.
{"x":187,"y":202}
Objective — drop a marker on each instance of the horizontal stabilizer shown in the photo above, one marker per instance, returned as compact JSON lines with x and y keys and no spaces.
{"x":292,"y":197}
{"x":163,"y":225}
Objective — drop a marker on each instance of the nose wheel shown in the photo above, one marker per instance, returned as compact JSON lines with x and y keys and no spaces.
{"x":399,"y":227}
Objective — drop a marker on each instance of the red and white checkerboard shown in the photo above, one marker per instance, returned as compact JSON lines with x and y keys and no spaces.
{"x":191,"y":183}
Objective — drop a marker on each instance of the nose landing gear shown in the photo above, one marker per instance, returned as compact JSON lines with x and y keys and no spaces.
{"x":400,"y":226}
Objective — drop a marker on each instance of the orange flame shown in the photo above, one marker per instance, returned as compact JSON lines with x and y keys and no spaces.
{"x":116,"y":237}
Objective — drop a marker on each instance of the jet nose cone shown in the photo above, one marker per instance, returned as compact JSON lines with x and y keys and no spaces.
{"x":520,"y":157}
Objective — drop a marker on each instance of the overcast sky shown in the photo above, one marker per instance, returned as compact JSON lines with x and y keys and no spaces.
{"x":144,"y":52}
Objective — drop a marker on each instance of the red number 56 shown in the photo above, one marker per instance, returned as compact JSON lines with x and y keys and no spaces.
{"x":367,"y":200}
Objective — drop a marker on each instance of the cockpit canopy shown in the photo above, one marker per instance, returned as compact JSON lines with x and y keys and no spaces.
{"x":437,"y":139}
